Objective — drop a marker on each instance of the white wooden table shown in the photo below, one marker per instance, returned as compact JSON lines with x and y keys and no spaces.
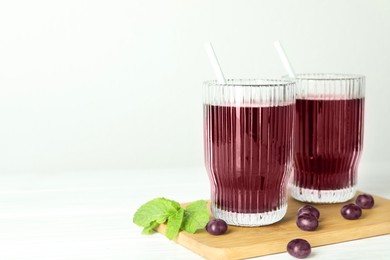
{"x":88,"y":215}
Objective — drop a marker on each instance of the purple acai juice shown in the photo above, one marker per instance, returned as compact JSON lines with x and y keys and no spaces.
{"x":248,"y":156}
{"x":328,"y":139}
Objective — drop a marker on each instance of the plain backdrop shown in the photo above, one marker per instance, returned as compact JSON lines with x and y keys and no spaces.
{"x":116,"y":85}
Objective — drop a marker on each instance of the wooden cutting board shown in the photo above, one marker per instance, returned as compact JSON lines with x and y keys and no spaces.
{"x":245,"y":242}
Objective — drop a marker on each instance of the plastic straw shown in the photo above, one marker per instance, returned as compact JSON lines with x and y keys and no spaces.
{"x":284,"y":59}
{"x":214,"y":63}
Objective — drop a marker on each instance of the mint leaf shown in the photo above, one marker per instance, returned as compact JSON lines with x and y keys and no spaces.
{"x":161,"y":210}
{"x":173,"y":203}
{"x":155,"y":210}
{"x":196,"y":216}
{"x":150,"y":229}
{"x":174,"y":224}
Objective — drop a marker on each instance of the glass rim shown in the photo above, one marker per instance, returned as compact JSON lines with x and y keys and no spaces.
{"x":251,"y":82}
{"x":325,"y":76}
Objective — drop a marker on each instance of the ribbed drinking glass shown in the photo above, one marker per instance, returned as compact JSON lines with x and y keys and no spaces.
{"x":328,"y":137}
{"x":248,"y":130}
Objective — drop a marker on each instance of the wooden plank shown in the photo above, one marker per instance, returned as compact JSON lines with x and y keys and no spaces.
{"x":245,"y":242}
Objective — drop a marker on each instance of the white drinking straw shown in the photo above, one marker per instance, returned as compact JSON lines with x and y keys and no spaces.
{"x":284,"y":59}
{"x":214,"y":63}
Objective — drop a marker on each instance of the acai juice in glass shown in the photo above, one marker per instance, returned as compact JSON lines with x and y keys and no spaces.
{"x":248,"y":138}
{"x":328,"y":137}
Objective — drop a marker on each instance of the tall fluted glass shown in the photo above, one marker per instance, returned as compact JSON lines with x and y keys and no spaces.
{"x":248,"y":127}
{"x":328,"y":137}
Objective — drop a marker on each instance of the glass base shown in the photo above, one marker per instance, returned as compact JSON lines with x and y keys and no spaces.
{"x":249,"y":219}
{"x":322,"y":196}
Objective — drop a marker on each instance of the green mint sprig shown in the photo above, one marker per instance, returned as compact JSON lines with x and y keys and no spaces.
{"x":157,"y":211}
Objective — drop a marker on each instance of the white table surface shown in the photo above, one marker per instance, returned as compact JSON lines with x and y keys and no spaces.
{"x":88,"y":215}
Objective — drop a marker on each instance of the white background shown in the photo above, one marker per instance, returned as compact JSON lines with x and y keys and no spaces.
{"x":115,"y":85}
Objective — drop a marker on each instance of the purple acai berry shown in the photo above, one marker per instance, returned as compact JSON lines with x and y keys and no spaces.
{"x":299,"y":248}
{"x":351,"y":211}
{"x":365,"y":201}
{"x":307,"y":222}
{"x":308,"y":209}
{"x":216,"y":227}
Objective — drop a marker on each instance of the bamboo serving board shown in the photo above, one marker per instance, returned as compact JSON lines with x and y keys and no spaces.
{"x":245,"y":242}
